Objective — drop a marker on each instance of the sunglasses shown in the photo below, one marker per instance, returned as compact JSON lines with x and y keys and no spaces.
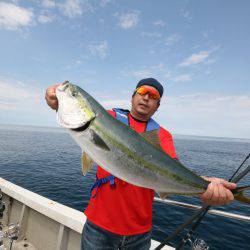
{"x":153,"y":93}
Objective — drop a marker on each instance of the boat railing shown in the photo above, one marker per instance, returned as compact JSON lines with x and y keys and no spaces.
{"x":210,"y":211}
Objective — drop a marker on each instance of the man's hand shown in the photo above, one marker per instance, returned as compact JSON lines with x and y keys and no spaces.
{"x":218,"y":192}
{"x":50,"y":96}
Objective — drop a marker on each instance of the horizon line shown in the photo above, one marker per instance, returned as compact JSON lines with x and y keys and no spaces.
{"x":176,"y":134}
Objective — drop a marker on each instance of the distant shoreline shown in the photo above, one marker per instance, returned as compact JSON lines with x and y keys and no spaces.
{"x":18,"y":127}
{"x":34,"y":128}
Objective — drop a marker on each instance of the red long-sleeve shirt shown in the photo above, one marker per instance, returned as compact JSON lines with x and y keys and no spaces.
{"x":126,"y":209}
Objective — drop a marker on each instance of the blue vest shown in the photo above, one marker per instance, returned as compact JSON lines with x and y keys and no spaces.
{"x":122,"y":116}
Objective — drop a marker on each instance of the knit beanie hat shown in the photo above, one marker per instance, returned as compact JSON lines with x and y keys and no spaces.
{"x":151,"y":82}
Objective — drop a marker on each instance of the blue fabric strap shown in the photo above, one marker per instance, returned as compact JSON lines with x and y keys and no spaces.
{"x":152,"y":125}
{"x":122,"y":116}
{"x":99,"y":182}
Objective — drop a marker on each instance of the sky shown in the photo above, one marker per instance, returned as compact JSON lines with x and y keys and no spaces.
{"x":198,"y":50}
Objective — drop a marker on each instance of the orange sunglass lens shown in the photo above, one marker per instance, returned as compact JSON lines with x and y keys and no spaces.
{"x":155,"y":96}
{"x":153,"y":93}
{"x":142,"y":91}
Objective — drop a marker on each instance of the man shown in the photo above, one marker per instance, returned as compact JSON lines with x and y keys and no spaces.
{"x":120,"y":214}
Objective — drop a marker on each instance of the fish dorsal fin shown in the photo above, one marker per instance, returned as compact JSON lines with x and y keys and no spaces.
{"x":87,"y":163}
{"x":98,"y":141}
{"x":152,"y":137}
{"x":162,"y":195}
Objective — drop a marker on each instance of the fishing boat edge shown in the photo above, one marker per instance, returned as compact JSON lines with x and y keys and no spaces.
{"x":44,"y":224}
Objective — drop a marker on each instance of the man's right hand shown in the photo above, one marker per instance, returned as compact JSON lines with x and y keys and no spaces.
{"x":50,"y":96}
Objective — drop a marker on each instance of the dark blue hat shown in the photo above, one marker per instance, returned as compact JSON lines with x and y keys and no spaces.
{"x":151,"y":82}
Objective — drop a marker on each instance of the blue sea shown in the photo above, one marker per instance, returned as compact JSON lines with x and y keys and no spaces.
{"x":47,"y":161}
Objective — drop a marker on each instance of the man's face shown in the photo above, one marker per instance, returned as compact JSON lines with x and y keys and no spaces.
{"x":144,"y":105}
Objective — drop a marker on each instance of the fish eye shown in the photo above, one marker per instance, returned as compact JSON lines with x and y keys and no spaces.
{"x":74,"y":93}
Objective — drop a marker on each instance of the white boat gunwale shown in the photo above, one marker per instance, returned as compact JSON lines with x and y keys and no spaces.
{"x":67,"y":217}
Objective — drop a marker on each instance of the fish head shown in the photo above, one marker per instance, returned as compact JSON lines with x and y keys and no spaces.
{"x":74,"y":111}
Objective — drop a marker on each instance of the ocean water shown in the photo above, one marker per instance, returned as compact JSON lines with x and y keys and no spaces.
{"x":48,"y":162}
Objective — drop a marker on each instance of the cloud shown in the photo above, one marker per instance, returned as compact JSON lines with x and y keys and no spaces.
{"x":7,"y":106}
{"x":69,"y":8}
{"x":99,"y":49}
{"x":24,"y":102}
{"x":198,"y":113}
{"x":128,"y":20}
{"x":103,"y":3}
{"x":182,"y":78}
{"x":15,"y":95}
{"x":73,"y":8}
{"x":13,"y":17}
{"x":159,"y":23}
{"x":207,"y":114}
{"x":210,"y":61}
{"x":77,"y":62}
{"x":151,"y":34}
{"x":13,"y":92}
{"x":186,"y":14}
{"x":49,"y":3}
{"x":110,"y":103}
{"x":172,"y":39}
{"x":74,"y":64}
{"x":205,"y":34}
{"x":158,"y":71}
{"x":44,"y":19}
{"x":144,"y":73}
{"x":197,"y":58}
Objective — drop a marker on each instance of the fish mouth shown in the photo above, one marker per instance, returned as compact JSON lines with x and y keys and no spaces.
{"x":67,"y":125}
{"x":63,"y":86}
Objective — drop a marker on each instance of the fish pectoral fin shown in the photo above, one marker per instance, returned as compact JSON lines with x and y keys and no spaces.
{"x":163,"y":195}
{"x":152,"y":137}
{"x":240,"y":196}
{"x":98,"y":141}
{"x":87,"y":163}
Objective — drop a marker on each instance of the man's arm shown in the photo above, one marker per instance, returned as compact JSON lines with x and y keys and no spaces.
{"x":50,"y":96}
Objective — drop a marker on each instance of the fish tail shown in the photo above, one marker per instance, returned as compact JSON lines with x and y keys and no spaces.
{"x":240,"y":196}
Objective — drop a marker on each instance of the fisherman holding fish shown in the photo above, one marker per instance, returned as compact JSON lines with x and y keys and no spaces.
{"x":119,"y":214}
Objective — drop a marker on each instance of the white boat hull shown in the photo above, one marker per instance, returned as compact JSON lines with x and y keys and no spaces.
{"x":44,"y":224}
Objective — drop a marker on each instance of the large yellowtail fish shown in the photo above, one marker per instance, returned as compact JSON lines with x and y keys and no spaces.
{"x":122,"y":151}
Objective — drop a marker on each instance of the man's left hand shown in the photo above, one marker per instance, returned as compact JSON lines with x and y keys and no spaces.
{"x":218,"y":192}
